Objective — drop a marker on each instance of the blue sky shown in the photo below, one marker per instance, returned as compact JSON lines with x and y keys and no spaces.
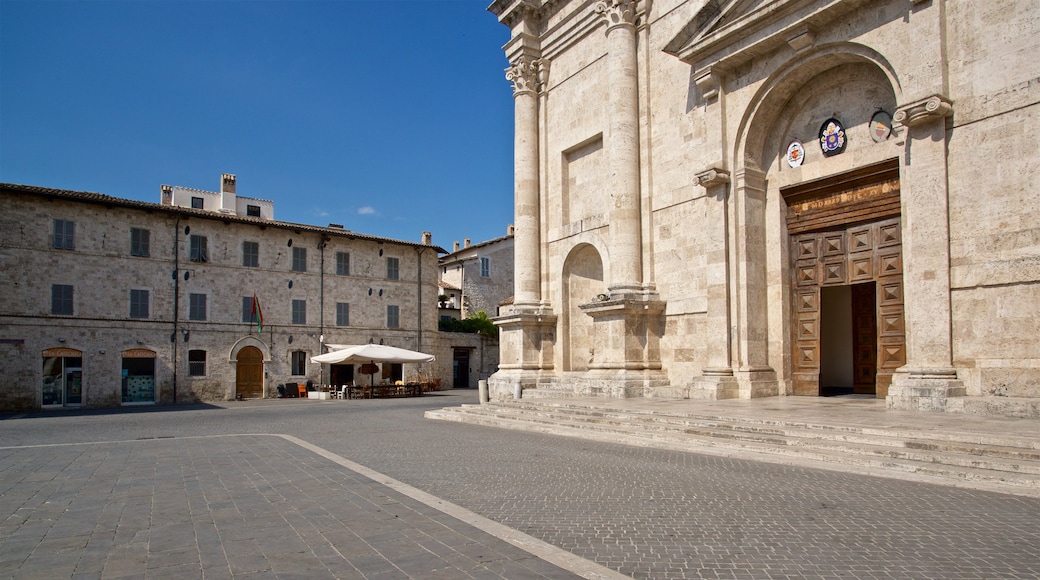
{"x":390,"y":117}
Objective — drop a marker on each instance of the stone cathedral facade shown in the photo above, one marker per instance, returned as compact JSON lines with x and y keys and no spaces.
{"x":756,"y":198}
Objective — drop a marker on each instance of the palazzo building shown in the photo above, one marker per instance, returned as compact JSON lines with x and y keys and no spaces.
{"x":757,"y":198}
{"x":202,"y":297}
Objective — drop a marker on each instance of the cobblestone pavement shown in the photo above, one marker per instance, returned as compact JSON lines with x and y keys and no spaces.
{"x":646,"y":513}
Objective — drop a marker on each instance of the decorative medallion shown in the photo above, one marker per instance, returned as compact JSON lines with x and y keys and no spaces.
{"x":880,"y":126}
{"x":832,"y":137}
{"x":795,"y":153}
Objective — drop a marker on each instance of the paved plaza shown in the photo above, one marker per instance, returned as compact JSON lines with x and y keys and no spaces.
{"x":370,"y":489}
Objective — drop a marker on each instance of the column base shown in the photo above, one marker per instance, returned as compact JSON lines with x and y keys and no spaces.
{"x":925,"y":390}
{"x":714,"y":385}
{"x":503,"y":385}
{"x":620,"y":383}
{"x":756,"y":382}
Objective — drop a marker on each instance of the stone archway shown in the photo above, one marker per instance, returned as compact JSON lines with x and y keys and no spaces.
{"x":582,"y":280}
{"x":249,"y":373}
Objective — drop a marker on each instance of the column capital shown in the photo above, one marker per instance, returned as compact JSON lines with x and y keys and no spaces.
{"x":528,"y":75}
{"x":924,"y":110}
{"x":712,"y":177}
{"x":617,"y":13}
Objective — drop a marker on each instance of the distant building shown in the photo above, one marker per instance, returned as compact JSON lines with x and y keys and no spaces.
{"x":743,"y":199}
{"x":475,"y":278}
{"x":107,"y":301}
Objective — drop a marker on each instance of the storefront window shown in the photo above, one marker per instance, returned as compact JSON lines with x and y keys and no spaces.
{"x":62,"y":378}
{"x":138,"y":376}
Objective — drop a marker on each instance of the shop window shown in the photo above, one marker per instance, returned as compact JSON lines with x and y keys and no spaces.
{"x":393,"y":266}
{"x":140,"y":242}
{"x":343,"y":263}
{"x":299,"y":259}
{"x":64,"y":235}
{"x":251,"y":254}
{"x":61,"y":299}
{"x":62,"y":380}
{"x":138,"y":384}
{"x":197,"y":307}
{"x":342,"y":314}
{"x":199,"y":249}
{"x":299,"y":312}
{"x":197,"y":363}
{"x":393,"y":316}
{"x":299,"y":363}
{"x":138,"y":304}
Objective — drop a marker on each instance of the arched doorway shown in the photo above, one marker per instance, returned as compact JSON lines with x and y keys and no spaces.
{"x":249,"y":373}
{"x":582,"y":281}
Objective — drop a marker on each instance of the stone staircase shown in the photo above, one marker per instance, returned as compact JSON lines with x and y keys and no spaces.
{"x":980,"y":459}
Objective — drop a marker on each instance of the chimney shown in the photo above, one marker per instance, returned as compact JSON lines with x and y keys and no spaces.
{"x":427,"y":239}
{"x":510,"y":230}
{"x":227,"y":193}
{"x":465,"y":243}
{"x":167,"y":195}
{"x":455,"y":246}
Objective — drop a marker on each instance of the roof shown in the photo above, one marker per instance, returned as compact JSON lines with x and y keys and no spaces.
{"x":471,"y":247}
{"x":108,"y":200}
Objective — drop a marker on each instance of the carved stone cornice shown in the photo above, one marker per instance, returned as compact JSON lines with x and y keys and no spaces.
{"x":928,"y":109}
{"x":617,"y":12}
{"x":712,"y":177}
{"x":527,"y":74}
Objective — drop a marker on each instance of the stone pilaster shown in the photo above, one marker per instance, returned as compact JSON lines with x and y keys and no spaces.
{"x":623,"y":146}
{"x":928,"y":379}
{"x":716,"y":380}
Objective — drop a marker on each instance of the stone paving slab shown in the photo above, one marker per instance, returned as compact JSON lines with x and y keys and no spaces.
{"x":231,"y":507}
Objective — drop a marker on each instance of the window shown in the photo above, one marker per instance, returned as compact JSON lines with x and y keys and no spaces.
{"x":64,"y":235}
{"x":253,"y":210}
{"x":485,"y":267}
{"x":199,"y":249}
{"x":299,"y":259}
{"x":342,"y":314}
{"x":138,"y":304}
{"x":196,"y":307}
{"x":251,"y":254}
{"x":393,"y":316}
{"x":299,"y":363}
{"x":140,"y":239}
{"x":392,"y":268}
{"x":343,"y":263}
{"x":61,"y":299}
{"x":247,"y":309}
{"x":197,"y":363}
{"x":299,"y":312}
{"x":198,"y":203}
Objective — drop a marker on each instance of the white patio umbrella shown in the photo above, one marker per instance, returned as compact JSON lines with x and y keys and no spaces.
{"x":370,"y":353}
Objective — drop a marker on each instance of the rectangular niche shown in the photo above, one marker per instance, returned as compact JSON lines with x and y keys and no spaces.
{"x":584,"y":180}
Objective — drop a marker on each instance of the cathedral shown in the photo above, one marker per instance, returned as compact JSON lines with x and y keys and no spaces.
{"x":721,"y":199}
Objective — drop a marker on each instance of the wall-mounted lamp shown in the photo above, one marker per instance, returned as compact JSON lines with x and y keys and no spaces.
{"x":185,"y":334}
{"x":139,"y":341}
{"x":61,"y":340}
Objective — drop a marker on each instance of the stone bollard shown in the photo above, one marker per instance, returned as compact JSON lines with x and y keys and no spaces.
{"x":482,"y":385}
{"x":517,"y":391}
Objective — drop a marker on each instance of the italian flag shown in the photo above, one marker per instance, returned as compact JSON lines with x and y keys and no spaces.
{"x":258,"y":315}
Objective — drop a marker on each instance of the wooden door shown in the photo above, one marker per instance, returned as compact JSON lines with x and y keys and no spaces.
{"x":249,"y":374}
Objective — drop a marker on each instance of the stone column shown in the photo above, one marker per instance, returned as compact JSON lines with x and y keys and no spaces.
{"x":928,"y":379}
{"x":716,"y":380}
{"x":527,"y":267}
{"x":623,"y":146}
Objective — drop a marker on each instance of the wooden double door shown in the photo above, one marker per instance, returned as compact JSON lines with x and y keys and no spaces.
{"x":847,"y":286}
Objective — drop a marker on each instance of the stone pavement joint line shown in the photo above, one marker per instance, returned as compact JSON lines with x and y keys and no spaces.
{"x":228,"y":506}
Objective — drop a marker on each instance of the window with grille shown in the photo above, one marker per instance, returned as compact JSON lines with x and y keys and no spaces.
{"x":251,"y":254}
{"x":485,"y":267}
{"x":140,"y":241}
{"x":199,"y":249}
{"x":197,"y":363}
{"x":299,"y":312}
{"x":197,"y":307}
{"x":64,"y":235}
{"x":299,"y":259}
{"x":393,"y":266}
{"x":61,"y":299}
{"x":299,"y":363}
{"x":342,"y":314}
{"x":138,"y":304}
{"x":393,"y":316}
{"x":343,"y":263}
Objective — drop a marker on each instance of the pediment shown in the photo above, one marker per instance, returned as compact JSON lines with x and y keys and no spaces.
{"x":725,"y":33}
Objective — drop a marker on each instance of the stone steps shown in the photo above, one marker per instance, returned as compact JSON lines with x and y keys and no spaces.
{"x":1002,"y":461}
